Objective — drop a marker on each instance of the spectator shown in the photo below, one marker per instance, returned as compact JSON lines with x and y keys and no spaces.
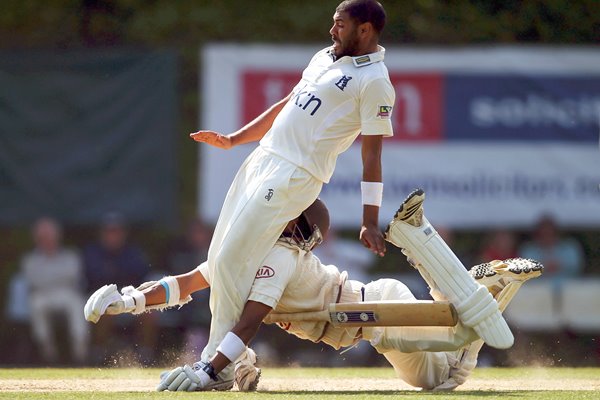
{"x":562,"y":257}
{"x":54,"y":276}
{"x":500,"y":245}
{"x":113,"y":259}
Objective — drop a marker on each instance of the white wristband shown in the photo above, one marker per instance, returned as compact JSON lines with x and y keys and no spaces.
{"x":171,"y":290}
{"x":232,"y":347}
{"x":372,"y":193}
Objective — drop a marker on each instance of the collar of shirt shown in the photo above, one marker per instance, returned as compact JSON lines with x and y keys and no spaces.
{"x":361,"y":61}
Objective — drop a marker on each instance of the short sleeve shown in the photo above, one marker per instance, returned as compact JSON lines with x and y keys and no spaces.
{"x":273,"y":276}
{"x":203,"y":269}
{"x":376,"y":105}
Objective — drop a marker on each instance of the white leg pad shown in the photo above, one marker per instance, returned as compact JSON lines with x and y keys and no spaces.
{"x":425,"y":246}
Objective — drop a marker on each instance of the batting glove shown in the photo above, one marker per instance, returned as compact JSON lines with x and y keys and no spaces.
{"x":185,"y":379}
{"x":106,"y":300}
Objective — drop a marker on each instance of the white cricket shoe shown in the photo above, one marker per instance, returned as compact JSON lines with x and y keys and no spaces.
{"x":247,"y":374}
{"x":503,"y":279}
{"x":462,"y":363}
{"x":219,"y":385}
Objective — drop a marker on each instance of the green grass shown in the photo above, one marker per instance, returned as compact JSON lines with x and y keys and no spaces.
{"x":553,"y":375}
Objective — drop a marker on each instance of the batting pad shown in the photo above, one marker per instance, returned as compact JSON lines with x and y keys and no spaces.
{"x":475,"y":306}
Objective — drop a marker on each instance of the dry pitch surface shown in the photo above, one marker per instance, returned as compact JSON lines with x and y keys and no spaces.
{"x":312,"y":383}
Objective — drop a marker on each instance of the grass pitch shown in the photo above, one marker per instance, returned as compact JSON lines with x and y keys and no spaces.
{"x":302,"y":383}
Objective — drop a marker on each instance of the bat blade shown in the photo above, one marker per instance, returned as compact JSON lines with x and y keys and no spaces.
{"x":378,"y":313}
{"x":393,"y":313}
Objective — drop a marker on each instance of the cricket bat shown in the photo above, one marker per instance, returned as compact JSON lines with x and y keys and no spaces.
{"x":378,"y":313}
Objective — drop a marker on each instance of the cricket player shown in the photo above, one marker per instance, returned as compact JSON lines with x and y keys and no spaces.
{"x":292,"y":280}
{"x":344,"y":91}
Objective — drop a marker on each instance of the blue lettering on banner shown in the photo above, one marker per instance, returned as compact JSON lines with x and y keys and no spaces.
{"x":523,"y":107}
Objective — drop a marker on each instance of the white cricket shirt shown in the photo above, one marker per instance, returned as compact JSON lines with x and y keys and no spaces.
{"x":333,"y":102}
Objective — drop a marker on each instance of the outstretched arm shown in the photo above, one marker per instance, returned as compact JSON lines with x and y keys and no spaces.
{"x":252,"y":132}
{"x":370,"y":234}
{"x":168,"y":292}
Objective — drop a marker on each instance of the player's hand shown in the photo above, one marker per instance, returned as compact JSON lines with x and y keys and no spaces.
{"x":184,"y":379}
{"x":372,"y":238}
{"x":106,"y":300}
{"x":213,"y":138}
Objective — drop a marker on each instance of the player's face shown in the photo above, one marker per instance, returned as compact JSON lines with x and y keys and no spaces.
{"x":344,"y":34}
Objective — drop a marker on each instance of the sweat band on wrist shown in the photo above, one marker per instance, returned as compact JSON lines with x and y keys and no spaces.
{"x":232,"y":347}
{"x":372,"y":193}
{"x":172,"y":290}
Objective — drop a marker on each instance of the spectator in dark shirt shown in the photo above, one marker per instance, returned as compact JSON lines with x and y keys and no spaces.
{"x":113,"y":259}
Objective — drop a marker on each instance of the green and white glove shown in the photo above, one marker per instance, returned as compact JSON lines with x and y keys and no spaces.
{"x":185,"y":379}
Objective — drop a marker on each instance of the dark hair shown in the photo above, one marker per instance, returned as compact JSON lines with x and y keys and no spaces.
{"x":364,"y":11}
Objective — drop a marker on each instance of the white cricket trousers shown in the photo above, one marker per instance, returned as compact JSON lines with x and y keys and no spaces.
{"x":265,"y":195}
{"x":421,"y":356}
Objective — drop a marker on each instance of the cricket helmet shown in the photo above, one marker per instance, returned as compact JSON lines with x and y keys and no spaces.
{"x":312,"y":226}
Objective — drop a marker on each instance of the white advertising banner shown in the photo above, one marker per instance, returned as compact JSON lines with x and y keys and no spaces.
{"x":496,"y":137}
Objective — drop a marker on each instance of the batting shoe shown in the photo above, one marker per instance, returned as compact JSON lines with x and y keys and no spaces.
{"x":247,"y":374}
{"x":219,"y":385}
{"x":504,"y":278}
{"x":462,"y":363}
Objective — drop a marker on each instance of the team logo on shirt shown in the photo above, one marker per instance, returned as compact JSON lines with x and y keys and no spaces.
{"x":343,"y":82}
{"x":384,"y":112}
{"x":269,"y":194}
{"x":265,"y":272}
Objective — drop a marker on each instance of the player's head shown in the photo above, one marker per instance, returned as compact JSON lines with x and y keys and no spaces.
{"x":356,"y":24}
{"x":310,"y":228}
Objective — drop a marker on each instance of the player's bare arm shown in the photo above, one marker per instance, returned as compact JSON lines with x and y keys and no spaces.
{"x":168,"y":292}
{"x":252,"y":132}
{"x":250,"y":321}
{"x":189,"y":283}
{"x":370,"y":234}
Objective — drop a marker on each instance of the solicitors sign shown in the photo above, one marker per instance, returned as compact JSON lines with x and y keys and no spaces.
{"x":496,"y":136}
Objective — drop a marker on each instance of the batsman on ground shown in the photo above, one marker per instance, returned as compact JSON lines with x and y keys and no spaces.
{"x":295,"y":281}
